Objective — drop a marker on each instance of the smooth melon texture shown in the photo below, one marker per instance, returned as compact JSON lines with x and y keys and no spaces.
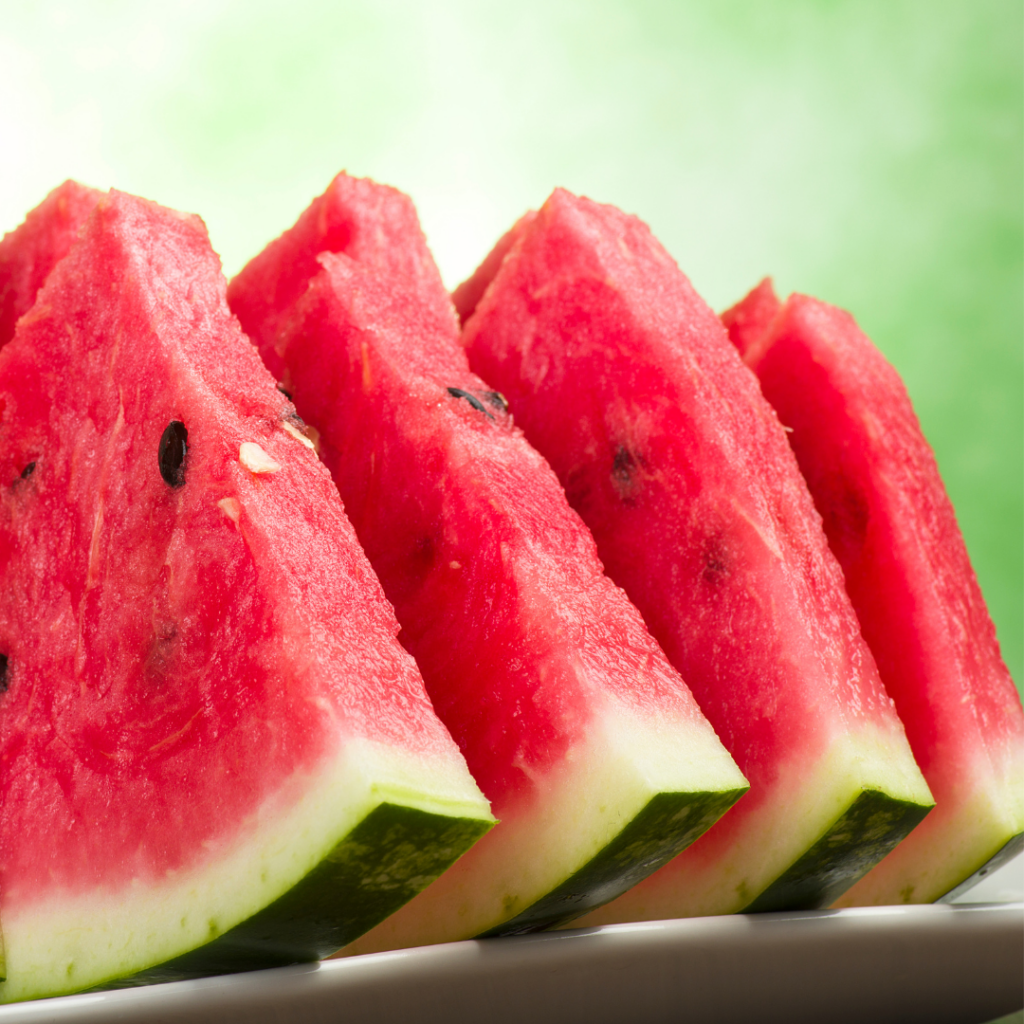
{"x":891,"y":526}
{"x":624,"y":379}
{"x":210,"y":736}
{"x":591,"y":749}
{"x":33,"y":249}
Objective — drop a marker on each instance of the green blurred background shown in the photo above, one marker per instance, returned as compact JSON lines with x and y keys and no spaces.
{"x":866,"y":152}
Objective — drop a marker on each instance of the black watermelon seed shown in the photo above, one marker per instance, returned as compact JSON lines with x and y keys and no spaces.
{"x":28,"y":471}
{"x":472,"y":399}
{"x":3,"y":673}
{"x":172,"y":452}
{"x":284,"y":391}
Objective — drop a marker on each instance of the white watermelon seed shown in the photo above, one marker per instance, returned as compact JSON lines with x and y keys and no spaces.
{"x":255,"y":459}
{"x":231,"y":508}
{"x":297,"y":434}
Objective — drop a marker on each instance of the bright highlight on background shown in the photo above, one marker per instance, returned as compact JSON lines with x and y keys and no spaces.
{"x":870,"y":154}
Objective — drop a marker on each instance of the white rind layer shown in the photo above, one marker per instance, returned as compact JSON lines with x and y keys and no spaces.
{"x":68,"y":941}
{"x":573,"y":812}
{"x":736,"y":860}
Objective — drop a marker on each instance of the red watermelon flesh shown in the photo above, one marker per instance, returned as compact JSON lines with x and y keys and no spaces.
{"x":623,"y":378}
{"x":891,"y":525}
{"x":32,"y":250}
{"x":208,"y":728}
{"x":748,"y":321}
{"x":371,"y":231}
{"x":588,"y":744}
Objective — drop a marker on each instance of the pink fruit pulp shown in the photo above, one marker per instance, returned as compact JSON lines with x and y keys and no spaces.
{"x":32,"y":250}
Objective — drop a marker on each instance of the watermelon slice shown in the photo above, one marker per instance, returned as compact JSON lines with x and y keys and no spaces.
{"x":32,"y":250}
{"x":591,"y":749}
{"x":892,"y":527}
{"x":210,"y":737}
{"x":621,"y":376}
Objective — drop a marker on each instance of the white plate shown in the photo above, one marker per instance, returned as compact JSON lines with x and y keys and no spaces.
{"x":961,"y":964}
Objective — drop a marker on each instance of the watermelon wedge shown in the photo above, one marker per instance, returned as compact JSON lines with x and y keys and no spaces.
{"x":623,"y":378}
{"x":33,"y":249}
{"x":593,"y":753}
{"x":210,"y":740}
{"x":891,"y":526}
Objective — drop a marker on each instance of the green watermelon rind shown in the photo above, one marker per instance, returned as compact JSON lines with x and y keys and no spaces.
{"x":810,"y":801}
{"x":277,"y":863}
{"x":393,"y":853}
{"x":984,"y":833}
{"x":662,"y":829}
{"x":870,"y":828}
{"x":635,"y":771}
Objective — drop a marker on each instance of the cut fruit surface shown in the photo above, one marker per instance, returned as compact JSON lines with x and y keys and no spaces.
{"x":624,"y":379}
{"x":210,"y":736}
{"x":591,"y":749}
{"x":891,"y":525}
{"x":33,"y":249}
